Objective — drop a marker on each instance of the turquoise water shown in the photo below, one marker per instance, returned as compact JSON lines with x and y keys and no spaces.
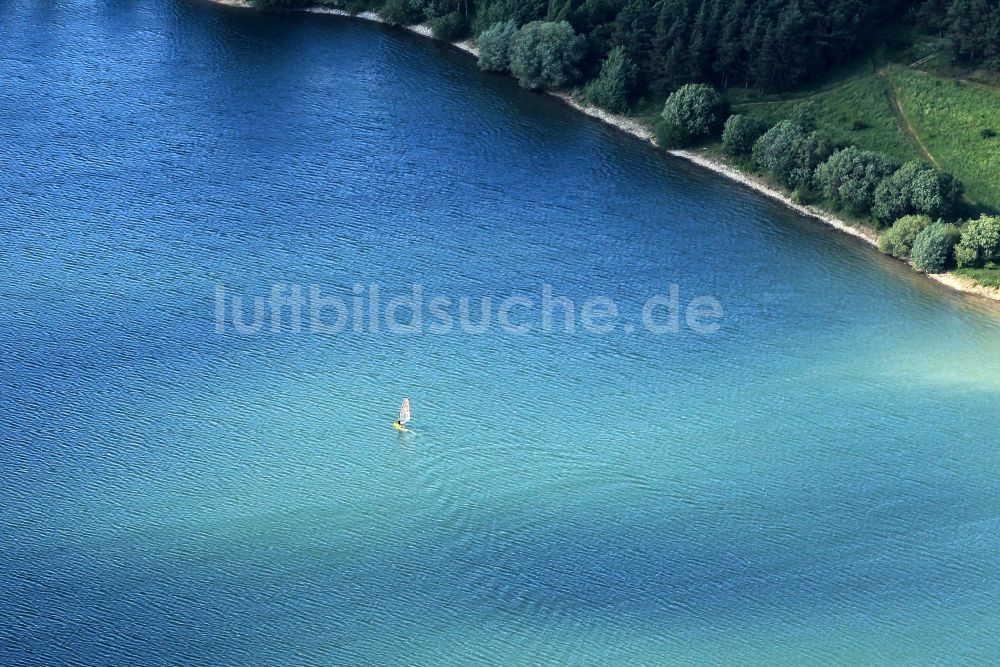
{"x":815,"y":482}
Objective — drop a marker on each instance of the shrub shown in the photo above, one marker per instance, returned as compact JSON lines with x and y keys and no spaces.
{"x":775,"y":149}
{"x":546,"y":54}
{"x":849,"y":178}
{"x":814,"y":149}
{"x":450,"y":27}
{"x":980,"y":242}
{"x":936,"y":193}
{"x":803,"y":194}
{"x":401,"y":12}
{"x":898,"y":240}
{"x":987,"y":133}
{"x":666,"y":134}
{"x":934,"y":248}
{"x":740,"y":132}
{"x":791,"y":153}
{"x":494,"y":46}
{"x":916,"y":188}
{"x":966,"y":256}
{"x":613,"y":86}
{"x":692,"y":112}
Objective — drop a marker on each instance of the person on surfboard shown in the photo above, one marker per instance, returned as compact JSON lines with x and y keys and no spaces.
{"x":404,"y":416}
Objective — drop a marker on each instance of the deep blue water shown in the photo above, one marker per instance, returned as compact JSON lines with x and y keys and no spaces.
{"x":815,"y":482}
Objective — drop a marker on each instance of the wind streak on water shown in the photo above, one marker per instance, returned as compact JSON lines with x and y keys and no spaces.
{"x":814,"y":483}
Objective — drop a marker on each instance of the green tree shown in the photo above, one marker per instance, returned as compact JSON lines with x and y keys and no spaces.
{"x":730,"y":49}
{"x":934,"y":248}
{"x":973,"y":26}
{"x":693,"y":112}
{"x":849,"y":178}
{"x":634,"y":30}
{"x":774,"y":44}
{"x":936,"y":193}
{"x":810,"y":152}
{"x":740,"y":133}
{"x":898,"y":240}
{"x":559,"y":10}
{"x":916,"y":188}
{"x":791,"y":153}
{"x":402,"y":12}
{"x":450,"y":27}
{"x":613,"y":87}
{"x":980,"y":242}
{"x":775,"y":150}
{"x":668,"y":59}
{"x":494,"y":46}
{"x":546,"y":54}
{"x":796,"y":59}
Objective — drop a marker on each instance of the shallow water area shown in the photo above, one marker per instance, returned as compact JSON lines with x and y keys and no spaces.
{"x":814,"y":482}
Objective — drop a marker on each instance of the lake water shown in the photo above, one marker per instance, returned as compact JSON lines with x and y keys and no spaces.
{"x":817,"y":481}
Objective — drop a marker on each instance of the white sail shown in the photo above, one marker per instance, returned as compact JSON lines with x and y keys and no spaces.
{"x":404,"y":411}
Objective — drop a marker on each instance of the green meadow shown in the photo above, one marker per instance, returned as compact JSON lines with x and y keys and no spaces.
{"x":855,"y":110}
{"x":909,"y":114}
{"x":959,"y":123}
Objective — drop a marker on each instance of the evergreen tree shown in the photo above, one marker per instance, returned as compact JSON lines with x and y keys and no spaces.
{"x":729,"y":52}
{"x":613,"y":87}
{"x":634,"y":30}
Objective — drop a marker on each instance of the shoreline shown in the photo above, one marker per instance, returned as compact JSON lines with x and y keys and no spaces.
{"x":636,"y":129}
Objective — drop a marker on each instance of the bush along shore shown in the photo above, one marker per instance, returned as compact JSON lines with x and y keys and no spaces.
{"x":911,"y":211}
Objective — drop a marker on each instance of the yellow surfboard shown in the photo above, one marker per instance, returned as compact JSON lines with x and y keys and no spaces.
{"x":404,"y":416}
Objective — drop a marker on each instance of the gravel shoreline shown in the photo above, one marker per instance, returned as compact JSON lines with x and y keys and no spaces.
{"x":640,"y":131}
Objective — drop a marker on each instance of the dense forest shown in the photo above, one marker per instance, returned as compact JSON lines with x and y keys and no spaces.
{"x":690,"y":52}
{"x":971,"y":26}
{"x":766,"y":44}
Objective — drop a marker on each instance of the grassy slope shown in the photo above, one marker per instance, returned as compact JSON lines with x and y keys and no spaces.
{"x":909,"y":114}
{"x":948,"y":117}
{"x":855,"y":110}
{"x":938,"y":119}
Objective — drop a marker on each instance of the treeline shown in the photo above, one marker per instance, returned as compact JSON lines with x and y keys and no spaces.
{"x":768,"y":44}
{"x":914,"y":205}
{"x":771,"y":44}
{"x":971,"y":26}
{"x":627,"y":48}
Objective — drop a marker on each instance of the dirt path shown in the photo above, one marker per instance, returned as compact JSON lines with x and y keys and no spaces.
{"x":904,"y":122}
